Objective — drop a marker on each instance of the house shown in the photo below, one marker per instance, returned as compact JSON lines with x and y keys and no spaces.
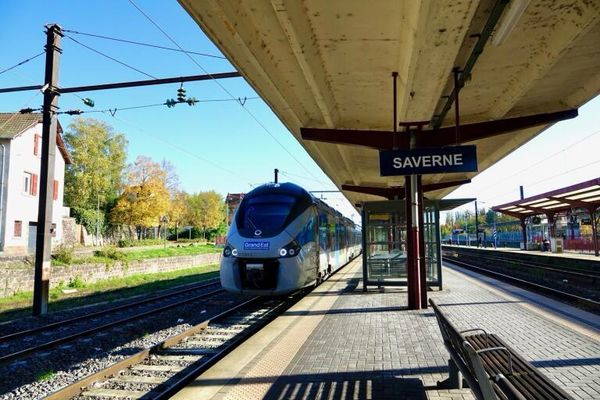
{"x":232,"y":201}
{"x":20,"y":161}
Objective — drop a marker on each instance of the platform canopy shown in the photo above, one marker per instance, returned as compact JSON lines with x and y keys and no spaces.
{"x":325,"y":69}
{"x":585,"y":195}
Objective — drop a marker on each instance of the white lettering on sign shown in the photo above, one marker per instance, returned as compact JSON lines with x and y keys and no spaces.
{"x":428,"y":161}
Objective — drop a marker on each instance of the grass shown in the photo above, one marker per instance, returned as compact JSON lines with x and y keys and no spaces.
{"x":44,"y":376}
{"x":18,"y":306}
{"x":109,"y":255}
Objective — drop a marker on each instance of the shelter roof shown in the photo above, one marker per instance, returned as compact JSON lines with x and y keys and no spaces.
{"x":13,"y":124}
{"x":582,"y":195}
{"x":328,"y":65}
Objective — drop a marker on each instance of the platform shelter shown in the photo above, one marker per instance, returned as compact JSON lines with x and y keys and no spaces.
{"x":385,"y":236}
{"x":584,"y":196}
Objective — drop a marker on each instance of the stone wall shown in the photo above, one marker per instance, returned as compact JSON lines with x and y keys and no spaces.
{"x":19,"y":278}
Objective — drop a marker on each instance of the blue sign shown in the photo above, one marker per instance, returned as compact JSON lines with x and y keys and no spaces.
{"x":256,"y":245}
{"x":428,"y":160}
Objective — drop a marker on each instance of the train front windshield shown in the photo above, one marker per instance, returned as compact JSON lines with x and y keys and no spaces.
{"x":266,"y":213}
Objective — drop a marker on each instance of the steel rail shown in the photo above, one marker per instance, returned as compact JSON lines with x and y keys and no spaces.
{"x":196,"y":368}
{"x":76,"y":388}
{"x":30,"y":350}
{"x":14,"y":335}
{"x":541,"y":288}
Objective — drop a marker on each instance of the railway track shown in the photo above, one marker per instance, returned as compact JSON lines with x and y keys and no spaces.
{"x":21,"y":344}
{"x":580,"y":301}
{"x":164,"y":369}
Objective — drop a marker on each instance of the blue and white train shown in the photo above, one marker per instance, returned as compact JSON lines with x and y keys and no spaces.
{"x":282,"y":239}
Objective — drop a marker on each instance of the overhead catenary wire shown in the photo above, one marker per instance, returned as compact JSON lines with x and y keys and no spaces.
{"x":116,"y":109}
{"x":144,"y":44}
{"x":21,"y":63}
{"x":110,"y":58}
{"x":180,"y":148}
{"x":528,"y":168}
{"x":221,"y":86}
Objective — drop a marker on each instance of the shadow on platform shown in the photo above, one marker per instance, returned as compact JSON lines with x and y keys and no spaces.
{"x":387,"y":384}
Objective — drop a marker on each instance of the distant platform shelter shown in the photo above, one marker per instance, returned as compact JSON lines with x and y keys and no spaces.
{"x":582,"y":197}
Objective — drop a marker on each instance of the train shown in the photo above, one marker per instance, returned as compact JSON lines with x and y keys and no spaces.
{"x":283,"y":239}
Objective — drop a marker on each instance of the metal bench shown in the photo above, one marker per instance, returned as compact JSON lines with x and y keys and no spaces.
{"x":492,"y":370}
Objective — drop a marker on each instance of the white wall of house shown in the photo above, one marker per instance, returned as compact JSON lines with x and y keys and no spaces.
{"x":20,"y":199}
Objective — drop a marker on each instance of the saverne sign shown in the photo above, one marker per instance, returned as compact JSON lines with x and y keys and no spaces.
{"x":428,"y":160}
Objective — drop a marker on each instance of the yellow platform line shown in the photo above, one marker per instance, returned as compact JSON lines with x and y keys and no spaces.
{"x":249,"y":371}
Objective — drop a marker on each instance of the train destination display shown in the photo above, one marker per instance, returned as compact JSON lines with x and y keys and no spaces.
{"x":428,"y":160}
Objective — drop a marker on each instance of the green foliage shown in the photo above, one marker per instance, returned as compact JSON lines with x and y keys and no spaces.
{"x":143,"y":242}
{"x":98,"y":155}
{"x":45,"y":375}
{"x":76,"y":283}
{"x":111,"y":253}
{"x":64,"y":255}
{"x":90,"y":219}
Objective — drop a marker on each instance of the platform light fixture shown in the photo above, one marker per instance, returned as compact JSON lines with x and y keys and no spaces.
{"x":513,"y":14}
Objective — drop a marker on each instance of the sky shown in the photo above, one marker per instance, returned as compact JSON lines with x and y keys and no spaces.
{"x":221,"y":145}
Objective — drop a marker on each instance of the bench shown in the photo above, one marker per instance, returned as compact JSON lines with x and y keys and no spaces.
{"x":492,"y":370}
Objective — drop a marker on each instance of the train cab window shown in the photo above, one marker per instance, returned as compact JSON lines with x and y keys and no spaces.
{"x":267,"y":213}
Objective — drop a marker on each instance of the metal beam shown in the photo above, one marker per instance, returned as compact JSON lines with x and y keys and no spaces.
{"x":384,"y":140}
{"x":149,"y":82}
{"x":486,"y":32}
{"x":398,"y":191}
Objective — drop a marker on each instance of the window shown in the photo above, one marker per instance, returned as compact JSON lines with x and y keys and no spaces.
{"x":37,"y":139}
{"x":18,"y":228}
{"x":27,"y":183}
{"x":55,"y":192}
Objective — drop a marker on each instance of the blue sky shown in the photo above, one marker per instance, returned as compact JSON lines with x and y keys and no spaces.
{"x":218,"y":145}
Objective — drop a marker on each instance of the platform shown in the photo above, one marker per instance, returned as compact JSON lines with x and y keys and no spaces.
{"x":341,"y":343}
{"x":566,"y":254}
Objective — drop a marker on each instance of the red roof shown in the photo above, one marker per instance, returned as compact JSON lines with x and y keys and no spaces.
{"x":582,"y":195}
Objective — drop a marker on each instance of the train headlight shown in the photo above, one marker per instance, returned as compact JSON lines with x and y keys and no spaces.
{"x":290,"y":250}
{"x":229,"y":251}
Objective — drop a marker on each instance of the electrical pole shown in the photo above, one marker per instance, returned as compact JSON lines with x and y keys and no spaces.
{"x":276,"y":171}
{"x":43,"y":242}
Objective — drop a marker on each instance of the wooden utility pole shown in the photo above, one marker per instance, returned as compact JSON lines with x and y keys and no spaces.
{"x":43,"y":242}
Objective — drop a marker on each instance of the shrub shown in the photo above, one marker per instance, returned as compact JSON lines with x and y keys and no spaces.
{"x":111,"y":253}
{"x":64,"y":254}
{"x":76,"y":283}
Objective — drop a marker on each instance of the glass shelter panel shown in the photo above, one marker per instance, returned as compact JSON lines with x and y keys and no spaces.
{"x":384,"y":236}
{"x":384,"y":243}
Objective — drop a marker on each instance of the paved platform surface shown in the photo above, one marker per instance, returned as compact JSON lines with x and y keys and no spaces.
{"x":341,"y":343}
{"x":566,"y":254}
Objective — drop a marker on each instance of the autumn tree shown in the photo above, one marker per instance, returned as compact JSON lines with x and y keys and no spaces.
{"x":98,"y":155}
{"x":145,"y":198}
{"x":206,"y":210}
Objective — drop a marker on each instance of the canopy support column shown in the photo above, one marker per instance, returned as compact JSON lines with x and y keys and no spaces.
{"x":524,"y":232}
{"x":594,"y":231}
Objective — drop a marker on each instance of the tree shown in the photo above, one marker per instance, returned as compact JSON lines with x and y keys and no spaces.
{"x":145,"y":198}
{"x":98,"y":155}
{"x":206,"y":210}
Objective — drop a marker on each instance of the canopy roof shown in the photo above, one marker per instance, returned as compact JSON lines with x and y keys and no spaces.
{"x":582,"y":195}
{"x":328,"y":65}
